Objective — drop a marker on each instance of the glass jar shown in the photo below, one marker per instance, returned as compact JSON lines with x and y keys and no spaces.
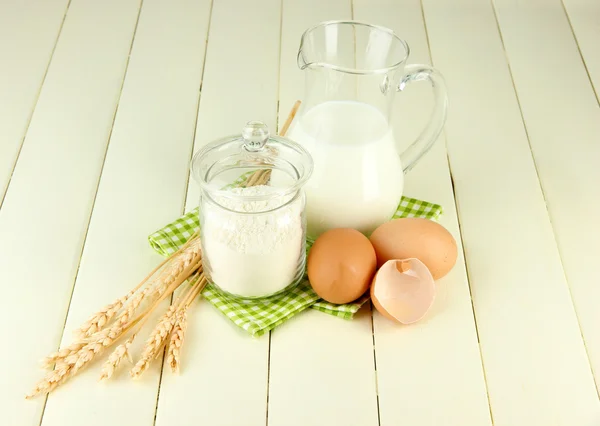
{"x":252,"y":220}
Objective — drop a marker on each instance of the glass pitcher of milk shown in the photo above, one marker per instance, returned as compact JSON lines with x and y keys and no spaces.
{"x":352,"y":71}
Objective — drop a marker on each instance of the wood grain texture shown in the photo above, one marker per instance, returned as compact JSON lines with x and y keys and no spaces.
{"x":322,"y":368}
{"x":564,"y":132}
{"x":142,"y":188}
{"x":322,"y":371}
{"x":419,"y":366}
{"x":535,"y":362}
{"x":28,"y":32}
{"x":47,"y":208}
{"x":223,"y":379}
{"x":584,"y":17}
{"x":76,"y":216}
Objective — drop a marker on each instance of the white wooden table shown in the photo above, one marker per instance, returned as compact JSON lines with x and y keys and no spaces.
{"x":102,"y":104}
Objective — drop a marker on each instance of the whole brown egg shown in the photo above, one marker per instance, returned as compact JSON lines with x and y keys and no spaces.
{"x":341,"y":265}
{"x":418,"y":238}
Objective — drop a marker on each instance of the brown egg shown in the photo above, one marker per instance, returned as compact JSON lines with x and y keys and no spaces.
{"x":341,"y":264}
{"x":418,"y":238}
{"x":403,"y":290}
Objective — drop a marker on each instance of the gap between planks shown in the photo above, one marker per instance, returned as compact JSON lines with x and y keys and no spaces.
{"x":464,"y":253}
{"x":460,"y":232}
{"x":97,"y":185}
{"x":537,"y":173}
{"x":370,"y":302}
{"x":375,"y":362}
{"x":37,"y":97}
{"x":187,"y":183}
{"x":587,"y":71}
{"x":281,"y":3}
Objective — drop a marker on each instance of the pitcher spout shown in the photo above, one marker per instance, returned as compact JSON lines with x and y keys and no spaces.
{"x":351,"y":47}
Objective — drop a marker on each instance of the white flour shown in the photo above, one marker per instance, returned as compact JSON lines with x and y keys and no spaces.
{"x":253,"y":255}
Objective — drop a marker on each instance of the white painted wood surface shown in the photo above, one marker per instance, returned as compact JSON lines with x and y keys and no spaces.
{"x":47,"y":207}
{"x":104,"y":163}
{"x":535,"y":362}
{"x":229,"y":385}
{"x":413,"y":373}
{"x":313,"y":357}
{"x":142,"y":187}
{"x":564,"y":130}
{"x":584,"y":17}
{"x":28,"y":31}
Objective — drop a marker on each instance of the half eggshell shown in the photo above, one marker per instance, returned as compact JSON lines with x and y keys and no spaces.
{"x":403,"y":290}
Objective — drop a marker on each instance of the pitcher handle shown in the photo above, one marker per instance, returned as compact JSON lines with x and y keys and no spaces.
{"x":429,"y":135}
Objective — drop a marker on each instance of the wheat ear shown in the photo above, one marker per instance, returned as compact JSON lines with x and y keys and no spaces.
{"x":155,"y":342}
{"x":122,"y":350}
{"x":178,"y":334}
{"x":70,"y":365}
{"x":176,"y":341}
{"x":101,"y":318}
{"x":62,"y":353}
{"x":187,"y":256}
{"x":73,"y":358}
{"x":158,"y":336}
{"x":115,"y":358}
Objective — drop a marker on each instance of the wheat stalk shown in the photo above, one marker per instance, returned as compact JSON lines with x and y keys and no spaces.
{"x":155,"y":342}
{"x":73,"y":358}
{"x":122,"y":350}
{"x":70,"y":365}
{"x":177,"y":335}
{"x":62,"y":353}
{"x":162,"y":331}
{"x":98,"y":333}
{"x":75,"y":347}
{"x":100,"y":319}
{"x":115,"y":358}
{"x":165,"y":325}
{"x":176,"y":341}
{"x":187,"y":257}
{"x":135,"y":302}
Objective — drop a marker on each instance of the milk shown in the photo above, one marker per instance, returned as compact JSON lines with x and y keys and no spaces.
{"x":358,"y":179}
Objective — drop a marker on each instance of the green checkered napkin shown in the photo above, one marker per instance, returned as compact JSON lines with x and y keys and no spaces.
{"x":259,"y":316}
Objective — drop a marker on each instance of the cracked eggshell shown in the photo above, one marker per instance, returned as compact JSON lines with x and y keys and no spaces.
{"x":403,"y":290}
{"x":418,"y":238}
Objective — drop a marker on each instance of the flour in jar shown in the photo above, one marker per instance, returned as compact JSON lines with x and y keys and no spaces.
{"x":257,"y":248}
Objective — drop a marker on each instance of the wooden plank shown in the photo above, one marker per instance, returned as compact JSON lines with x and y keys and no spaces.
{"x":146,"y":172}
{"x":419,"y":366}
{"x":224,"y":371}
{"x":321,"y":367}
{"x":297,"y":17}
{"x":28,"y":33}
{"x":47,"y":208}
{"x":535,"y":362}
{"x":584,"y":16}
{"x":564,"y":132}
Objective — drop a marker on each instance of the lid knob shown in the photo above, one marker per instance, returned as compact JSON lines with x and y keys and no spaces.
{"x":255,"y":135}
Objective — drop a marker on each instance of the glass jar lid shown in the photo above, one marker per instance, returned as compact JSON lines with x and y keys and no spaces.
{"x":250,"y":159}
